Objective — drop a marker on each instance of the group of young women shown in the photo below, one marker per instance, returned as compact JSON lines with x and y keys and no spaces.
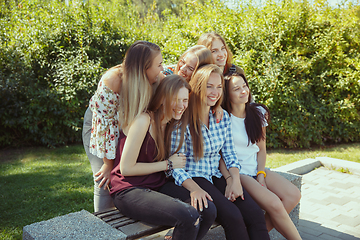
{"x":185,"y":146}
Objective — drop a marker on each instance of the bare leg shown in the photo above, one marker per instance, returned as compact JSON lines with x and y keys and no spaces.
{"x":277,"y":215}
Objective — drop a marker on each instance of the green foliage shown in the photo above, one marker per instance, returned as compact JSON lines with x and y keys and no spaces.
{"x":302,"y":60}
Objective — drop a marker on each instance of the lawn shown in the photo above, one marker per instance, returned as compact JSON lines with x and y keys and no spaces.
{"x":38,"y":183}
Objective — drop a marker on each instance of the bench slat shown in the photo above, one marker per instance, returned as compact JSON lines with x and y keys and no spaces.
{"x":131,"y":228}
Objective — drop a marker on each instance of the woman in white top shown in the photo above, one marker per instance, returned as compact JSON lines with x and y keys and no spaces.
{"x":273,"y":193}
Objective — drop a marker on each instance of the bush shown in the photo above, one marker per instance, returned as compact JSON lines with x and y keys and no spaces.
{"x":301,"y":60}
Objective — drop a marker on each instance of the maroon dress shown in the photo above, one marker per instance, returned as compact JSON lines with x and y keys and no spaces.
{"x":147,"y":154}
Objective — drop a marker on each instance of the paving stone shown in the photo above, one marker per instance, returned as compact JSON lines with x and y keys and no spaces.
{"x":326,"y":213}
{"x":349,"y":230}
{"x":345,"y":236}
{"x":308,"y":224}
{"x":340,"y":185}
{"x":307,"y":236}
{"x":322,"y":202}
{"x":330,"y":190}
{"x":328,"y":237}
{"x":352,"y":205}
{"x":347,"y":220}
{"x":310,"y":230}
{"x":338,"y":200}
{"x":306,"y":216}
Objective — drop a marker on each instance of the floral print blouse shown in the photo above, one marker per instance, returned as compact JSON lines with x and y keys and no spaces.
{"x":105,"y":124}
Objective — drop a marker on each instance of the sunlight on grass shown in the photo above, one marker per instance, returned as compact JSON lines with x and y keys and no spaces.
{"x":349,"y":152}
{"x":38,"y":183}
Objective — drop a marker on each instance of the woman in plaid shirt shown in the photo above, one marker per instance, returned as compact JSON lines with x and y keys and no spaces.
{"x":205,"y":143}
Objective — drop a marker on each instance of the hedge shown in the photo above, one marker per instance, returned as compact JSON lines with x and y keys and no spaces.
{"x":302,"y":60}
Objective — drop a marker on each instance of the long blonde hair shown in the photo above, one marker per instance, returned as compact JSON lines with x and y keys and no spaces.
{"x":136,"y":91}
{"x":202,"y":54}
{"x":197,"y":103}
{"x":207,"y":39}
{"x":160,"y":106}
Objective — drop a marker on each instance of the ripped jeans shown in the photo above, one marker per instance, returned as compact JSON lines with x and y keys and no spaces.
{"x":157,"y":208}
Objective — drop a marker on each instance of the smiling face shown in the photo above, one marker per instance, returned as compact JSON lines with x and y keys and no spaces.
{"x":187,"y":65}
{"x":180,"y":103}
{"x":153,"y":72}
{"x":238,"y":91}
{"x":213,"y":89}
{"x":219,"y":52}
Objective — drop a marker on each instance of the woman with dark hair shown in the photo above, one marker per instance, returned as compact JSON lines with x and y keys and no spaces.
{"x":273,"y":193}
{"x":206,"y":142}
{"x":138,"y":182}
{"x":124,"y":92}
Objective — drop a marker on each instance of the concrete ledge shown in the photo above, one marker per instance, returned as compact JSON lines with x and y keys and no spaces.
{"x":307,"y":165}
{"x":353,"y":167}
{"x":300,"y":167}
{"x":78,"y":225}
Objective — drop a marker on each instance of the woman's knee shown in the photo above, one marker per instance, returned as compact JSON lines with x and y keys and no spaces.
{"x":209,"y":213}
{"x":186,"y":214}
{"x":274,"y":206}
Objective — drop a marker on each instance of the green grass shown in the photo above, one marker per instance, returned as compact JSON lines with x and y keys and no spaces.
{"x":279,"y":157}
{"x":38,"y":183}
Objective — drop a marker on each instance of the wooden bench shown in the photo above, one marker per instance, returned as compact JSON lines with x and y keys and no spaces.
{"x":131,"y":228}
{"x":135,"y":229}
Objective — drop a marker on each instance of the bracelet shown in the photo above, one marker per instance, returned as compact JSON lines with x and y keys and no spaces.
{"x":169,"y":168}
{"x":227,"y":177}
{"x":263,"y":172}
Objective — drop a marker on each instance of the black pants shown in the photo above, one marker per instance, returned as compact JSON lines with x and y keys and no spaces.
{"x":251,"y":213}
{"x":229,"y":214}
{"x":157,"y":208}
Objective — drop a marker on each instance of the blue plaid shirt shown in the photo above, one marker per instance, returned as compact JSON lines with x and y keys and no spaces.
{"x":218,"y":137}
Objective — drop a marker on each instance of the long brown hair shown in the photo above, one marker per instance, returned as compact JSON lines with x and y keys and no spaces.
{"x":254,"y":118}
{"x":136,"y":90}
{"x":160,"y":106}
{"x":197,"y":103}
{"x":202,"y":54}
{"x":207,"y":39}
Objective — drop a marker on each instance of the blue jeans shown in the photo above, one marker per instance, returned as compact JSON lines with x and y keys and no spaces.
{"x":157,"y":208}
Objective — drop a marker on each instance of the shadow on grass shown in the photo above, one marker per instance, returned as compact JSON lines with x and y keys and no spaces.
{"x":40,"y":190}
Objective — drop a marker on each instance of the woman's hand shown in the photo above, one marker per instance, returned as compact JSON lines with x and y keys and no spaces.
{"x":228,"y":193}
{"x":234,"y":190}
{"x":260,"y":178}
{"x":199,"y":197}
{"x":104,"y":175}
{"x":178,"y":160}
{"x":219,"y":113}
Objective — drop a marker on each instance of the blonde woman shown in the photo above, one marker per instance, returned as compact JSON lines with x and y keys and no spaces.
{"x":189,"y":62}
{"x":132,"y":82}
{"x":206,"y":142}
{"x":221,"y":54}
{"x":139,"y":185}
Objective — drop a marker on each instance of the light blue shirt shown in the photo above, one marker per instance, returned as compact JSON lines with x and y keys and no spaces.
{"x":218,"y":137}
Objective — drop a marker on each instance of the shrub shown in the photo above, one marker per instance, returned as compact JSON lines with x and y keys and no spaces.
{"x":301,"y":60}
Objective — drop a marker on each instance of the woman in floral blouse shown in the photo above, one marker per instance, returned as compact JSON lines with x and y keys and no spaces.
{"x":122,"y":94}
